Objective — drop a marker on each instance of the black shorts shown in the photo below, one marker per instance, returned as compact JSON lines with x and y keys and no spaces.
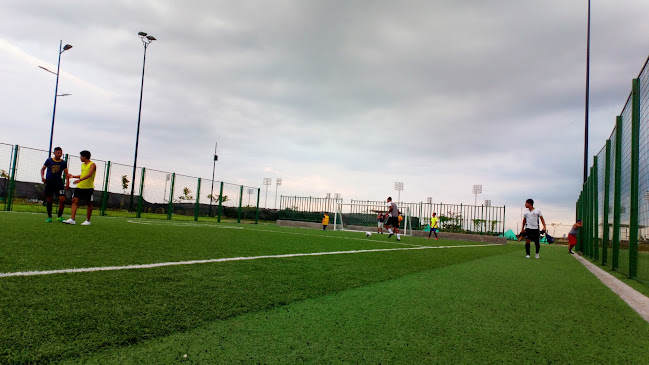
{"x":54,"y":189}
{"x":393,"y":222}
{"x":83,"y":194}
{"x":533,"y":235}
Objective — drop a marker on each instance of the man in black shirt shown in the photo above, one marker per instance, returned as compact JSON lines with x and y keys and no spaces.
{"x":55,"y":168}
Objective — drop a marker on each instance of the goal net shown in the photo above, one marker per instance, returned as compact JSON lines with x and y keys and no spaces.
{"x":364,"y":217}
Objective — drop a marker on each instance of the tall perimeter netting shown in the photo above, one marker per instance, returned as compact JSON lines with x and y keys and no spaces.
{"x":643,"y":179}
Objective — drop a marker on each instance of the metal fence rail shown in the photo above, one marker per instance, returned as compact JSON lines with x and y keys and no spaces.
{"x":158,"y":194}
{"x":614,"y":201}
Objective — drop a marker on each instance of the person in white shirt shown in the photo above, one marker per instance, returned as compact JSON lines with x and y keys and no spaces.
{"x":530,"y":226}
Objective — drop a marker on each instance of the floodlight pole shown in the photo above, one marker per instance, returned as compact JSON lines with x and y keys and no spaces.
{"x":399,"y":187}
{"x":209,"y":214}
{"x":56,"y":88}
{"x":278,"y":182}
{"x":477,"y":189}
{"x":146,"y":40}
{"x":587,"y":97}
{"x":267,"y":181}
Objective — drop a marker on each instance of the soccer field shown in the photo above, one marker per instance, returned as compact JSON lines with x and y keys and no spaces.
{"x":149,"y":291}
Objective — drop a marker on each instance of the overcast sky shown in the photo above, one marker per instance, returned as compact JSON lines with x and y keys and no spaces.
{"x":332,"y":96}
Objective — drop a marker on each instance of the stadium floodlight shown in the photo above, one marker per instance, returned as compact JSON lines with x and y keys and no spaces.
{"x":267,"y":181}
{"x":337,"y":196}
{"x":250,"y":191}
{"x":278,"y":182}
{"x":56,"y":88}
{"x":146,"y":40}
{"x":164,"y":195}
{"x":398,"y":186}
{"x":477,"y":189}
{"x":487,"y":203}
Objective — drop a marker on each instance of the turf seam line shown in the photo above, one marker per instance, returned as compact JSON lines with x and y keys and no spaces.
{"x":632,"y":297}
{"x":243,"y":258}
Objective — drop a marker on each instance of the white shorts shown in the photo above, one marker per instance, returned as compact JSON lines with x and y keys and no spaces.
{"x":380,"y":224}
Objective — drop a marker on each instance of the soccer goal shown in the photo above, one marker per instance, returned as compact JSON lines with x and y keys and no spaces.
{"x":363,"y":217}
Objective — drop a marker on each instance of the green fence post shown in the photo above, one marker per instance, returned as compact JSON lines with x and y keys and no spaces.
{"x":12,"y":180}
{"x":198,"y":197}
{"x":104,"y":194}
{"x":587,"y":213}
{"x":606,"y":230}
{"x":595,"y":254}
{"x":140,"y":200}
{"x":170,"y":208}
{"x":220,"y":202}
{"x":580,"y":240}
{"x":240,"y":201}
{"x":504,"y":221}
{"x":257,"y":214}
{"x":635,"y":163}
{"x":617,"y":191}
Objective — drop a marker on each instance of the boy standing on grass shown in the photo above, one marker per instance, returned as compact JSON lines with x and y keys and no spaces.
{"x":85,"y":187}
{"x":433,"y":226}
{"x":325,"y":222}
{"x":572,"y":236}
{"x":54,"y":182}
{"x":379,"y":223}
{"x":531,"y":227}
{"x":393,"y":219}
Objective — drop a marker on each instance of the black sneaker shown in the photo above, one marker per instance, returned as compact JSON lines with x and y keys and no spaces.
{"x":572,"y":253}
{"x":390,"y":235}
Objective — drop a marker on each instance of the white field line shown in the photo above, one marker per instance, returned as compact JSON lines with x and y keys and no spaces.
{"x":194,"y":262}
{"x":164,"y":223}
{"x":632,"y":297}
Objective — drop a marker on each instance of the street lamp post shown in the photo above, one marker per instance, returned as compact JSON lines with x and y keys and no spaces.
{"x":216,"y":158}
{"x":477,"y":189}
{"x":399,"y":187}
{"x":56,"y":88}
{"x":146,"y":40}
{"x":267,"y":181}
{"x":278,"y":182}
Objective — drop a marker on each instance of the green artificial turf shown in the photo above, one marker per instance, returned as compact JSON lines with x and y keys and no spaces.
{"x":497,"y":309}
{"x":466,"y":304}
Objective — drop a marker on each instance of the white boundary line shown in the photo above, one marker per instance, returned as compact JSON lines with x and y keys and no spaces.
{"x":193,"y":262}
{"x":632,"y":297}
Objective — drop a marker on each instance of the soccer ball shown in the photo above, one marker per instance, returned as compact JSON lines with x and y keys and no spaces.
{"x":368,"y":234}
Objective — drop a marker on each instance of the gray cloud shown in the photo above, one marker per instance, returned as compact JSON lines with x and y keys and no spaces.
{"x":333,"y":96}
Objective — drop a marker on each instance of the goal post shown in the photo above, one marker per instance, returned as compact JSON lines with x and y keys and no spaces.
{"x":363,"y":217}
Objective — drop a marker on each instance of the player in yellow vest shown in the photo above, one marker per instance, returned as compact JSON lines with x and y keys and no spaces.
{"x":85,"y":187}
{"x":434,"y":226}
{"x":325,"y":222}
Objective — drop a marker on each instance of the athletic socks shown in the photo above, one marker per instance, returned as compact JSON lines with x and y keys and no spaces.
{"x":49,"y":209}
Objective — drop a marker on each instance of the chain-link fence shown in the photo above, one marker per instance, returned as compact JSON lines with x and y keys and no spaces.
{"x":614,"y":201}
{"x":152,"y":194}
{"x":481,"y":219}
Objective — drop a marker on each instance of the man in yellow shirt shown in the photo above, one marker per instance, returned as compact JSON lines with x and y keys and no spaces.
{"x":85,"y":187}
{"x":434,"y":225}
{"x":325,"y":222}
